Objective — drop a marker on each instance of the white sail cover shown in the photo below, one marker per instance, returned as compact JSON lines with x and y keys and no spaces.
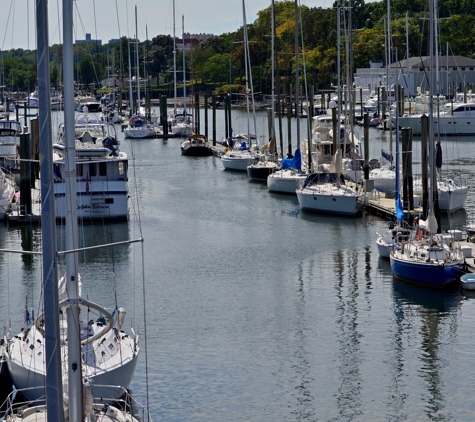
{"x":336,"y":165}
{"x":63,"y":294}
{"x":430,"y":225}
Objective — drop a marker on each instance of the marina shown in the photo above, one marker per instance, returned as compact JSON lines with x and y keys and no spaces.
{"x":257,"y":310}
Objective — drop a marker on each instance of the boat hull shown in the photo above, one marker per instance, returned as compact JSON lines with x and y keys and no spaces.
{"x":260,"y":173}
{"x":197,"y":151}
{"x":449,"y":126}
{"x":95,"y":200}
{"x":329,"y":204}
{"x":139,"y":133}
{"x":236,"y":163}
{"x":437,"y":276}
{"x":285,"y":183}
{"x":452,"y":200}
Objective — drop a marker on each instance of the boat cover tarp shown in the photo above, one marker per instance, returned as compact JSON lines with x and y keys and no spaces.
{"x":294,"y":163}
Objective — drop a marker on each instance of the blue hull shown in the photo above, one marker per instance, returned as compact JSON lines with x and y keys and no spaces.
{"x":431,"y":275}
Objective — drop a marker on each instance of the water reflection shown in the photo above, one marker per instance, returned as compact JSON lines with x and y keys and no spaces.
{"x":435,"y":314}
{"x":305,"y":399}
{"x":348,"y":333}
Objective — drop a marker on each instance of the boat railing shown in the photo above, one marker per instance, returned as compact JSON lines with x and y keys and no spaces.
{"x":126,"y":401}
{"x":13,"y":405}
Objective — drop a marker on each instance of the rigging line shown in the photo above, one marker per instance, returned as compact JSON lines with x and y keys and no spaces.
{"x":118,"y":21}
{"x":6,"y":26}
{"x":95,"y":22}
{"x":309,"y":120}
{"x":87,"y":44}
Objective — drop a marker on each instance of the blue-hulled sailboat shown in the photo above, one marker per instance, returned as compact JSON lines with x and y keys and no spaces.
{"x":429,"y":259}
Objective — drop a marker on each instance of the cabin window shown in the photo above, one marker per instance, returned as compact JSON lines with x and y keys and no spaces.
{"x":78,"y":170}
{"x":102,"y":169}
{"x":92,"y":170}
{"x":121,"y":169}
{"x":462,"y":68}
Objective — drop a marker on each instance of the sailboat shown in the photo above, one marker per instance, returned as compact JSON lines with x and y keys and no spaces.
{"x":138,"y":127}
{"x":243,"y":153}
{"x":67,"y":347}
{"x":327,"y":192}
{"x":181,"y":121}
{"x":429,"y":259}
{"x":452,"y":192}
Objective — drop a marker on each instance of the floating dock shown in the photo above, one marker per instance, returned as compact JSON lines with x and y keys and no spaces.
{"x":380,"y":206}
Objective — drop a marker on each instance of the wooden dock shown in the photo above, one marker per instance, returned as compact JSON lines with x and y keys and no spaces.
{"x":380,"y":206}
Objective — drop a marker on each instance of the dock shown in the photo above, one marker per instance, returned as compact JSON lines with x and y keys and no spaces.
{"x":380,"y":206}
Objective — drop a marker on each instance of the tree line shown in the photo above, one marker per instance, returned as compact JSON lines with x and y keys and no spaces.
{"x":217,"y":64}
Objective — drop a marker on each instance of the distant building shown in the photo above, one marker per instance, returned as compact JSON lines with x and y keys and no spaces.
{"x":454,"y":73}
{"x":191,"y":40}
{"x":89,"y":40}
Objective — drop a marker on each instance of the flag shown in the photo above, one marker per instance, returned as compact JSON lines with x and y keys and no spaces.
{"x":399,"y":209}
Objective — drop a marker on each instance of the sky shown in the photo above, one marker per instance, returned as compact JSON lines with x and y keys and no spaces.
{"x":110,"y":19}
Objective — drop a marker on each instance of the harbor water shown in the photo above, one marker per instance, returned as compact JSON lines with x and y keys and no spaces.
{"x":258,"y":311}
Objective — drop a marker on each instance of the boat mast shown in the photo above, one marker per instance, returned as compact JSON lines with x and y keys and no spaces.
{"x":131,"y":95}
{"x":336,"y":136}
{"x":75,"y":392}
{"x":246,"y":61}
{"x":54,"y":390}
{"x":137,"y":61}
{"x":272,"y":75}
{"x":174,"y":61}
{"x":184,"y":72}
{"x":297,"y":77}
{"x":431,"y":215}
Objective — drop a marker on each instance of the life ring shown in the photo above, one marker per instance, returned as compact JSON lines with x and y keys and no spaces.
{"x":226,"y":150}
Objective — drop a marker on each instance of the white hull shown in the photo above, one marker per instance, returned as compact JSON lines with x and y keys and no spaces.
{"x":285,"y":181}
{"x":95,"y":200}
{"x":451,"y":195}
{"x":326,"y":202}
{"x":237,"y":162}
{"x":134,"y":133}
{"x":452,"y":200}
{"x":182,"y":130}
{"x":449,"y":125}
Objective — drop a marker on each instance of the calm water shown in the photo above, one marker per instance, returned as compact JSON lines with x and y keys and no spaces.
{"x":258,"y":311}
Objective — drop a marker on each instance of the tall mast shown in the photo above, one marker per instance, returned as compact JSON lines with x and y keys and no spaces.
{"x":75,"y":392}
{"x":174,"y":61}
{"x":297,"y":74}
{"x":431,"y":115}
{"x":137,"y":61}
{"x":246,"y":64}
{"x":338,"y":23}
{"x":273,"y":76}
{"x":54,"y":391}
{"x":184,"y":71}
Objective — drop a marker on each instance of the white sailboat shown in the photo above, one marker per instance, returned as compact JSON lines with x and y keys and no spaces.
{"x":243,"y":153}
{"x":138,"y":127}
{"x":181,"y":121}
{"x":328,"y":193}
{"x":92,"y":358}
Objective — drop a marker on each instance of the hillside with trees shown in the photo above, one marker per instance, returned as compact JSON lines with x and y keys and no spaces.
{"x":217,"y":64}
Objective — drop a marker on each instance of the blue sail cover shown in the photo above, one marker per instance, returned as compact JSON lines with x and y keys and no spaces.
{"x":295,"y":163}
{"x":387,"y":155}
{"x":399,"y":208}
